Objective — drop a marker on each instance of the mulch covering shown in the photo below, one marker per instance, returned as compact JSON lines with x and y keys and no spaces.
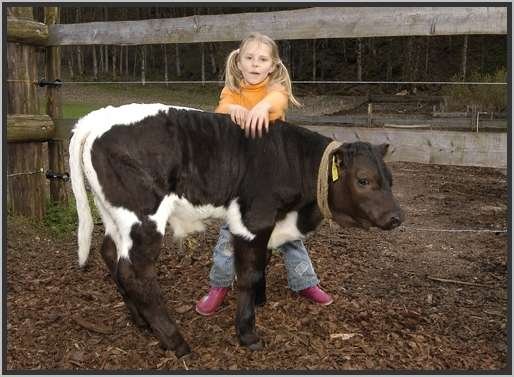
{"x":391,"y":309}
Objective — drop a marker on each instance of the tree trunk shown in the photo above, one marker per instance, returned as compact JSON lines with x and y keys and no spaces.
{"x":143,"y":64}
{"x":415,"y":65}
{"x":389,"y":57}
{"x":464,"y":58}
{"x":101,"y":60}
{"x":427,"y":57}
{"x":114,"y":48}
{"x":359,"y":59}
{"x":345,"y":56}
{"x":202,"y":47}
{"x":127,"y":61}
{"x":372,"y":47}
{"x":106,"y":59}
{"x":165,"y":53}
{"x":80,"y":60}
{"x":482,"y":53}
{"x":95,"y":64}
{"x":314,"y":60}
{"x":177,"y":60}
{"x":212,"y":57}
{"x":106,"y":47}
{"x":120,"y":62}
{"x":70,"y":64}
{"x":407,"y":66}
{"x":323,"y":45}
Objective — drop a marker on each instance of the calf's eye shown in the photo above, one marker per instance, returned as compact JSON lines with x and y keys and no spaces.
{"x":363,"y":182}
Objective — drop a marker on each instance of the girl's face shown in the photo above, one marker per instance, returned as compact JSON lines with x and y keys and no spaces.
{"x":255,"y":62}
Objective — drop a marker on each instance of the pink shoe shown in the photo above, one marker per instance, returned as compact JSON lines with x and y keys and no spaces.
{"x":209,"y":303}
{"x":317,"y":295}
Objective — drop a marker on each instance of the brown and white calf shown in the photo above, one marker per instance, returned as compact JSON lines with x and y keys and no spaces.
{"x":150,"y":166}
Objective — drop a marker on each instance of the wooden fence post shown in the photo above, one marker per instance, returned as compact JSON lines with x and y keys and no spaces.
{"x":58,"y":189}
{"x":25,"y":166}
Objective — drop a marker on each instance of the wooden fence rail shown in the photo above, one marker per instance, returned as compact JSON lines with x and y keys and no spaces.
{"x":26,"y":31}
{"x":29,"y":127}
{"x":310,"y":23}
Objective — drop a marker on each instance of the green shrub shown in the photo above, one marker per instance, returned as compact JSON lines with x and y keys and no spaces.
{"x":486,"y":97}
{"x":61,"y":221}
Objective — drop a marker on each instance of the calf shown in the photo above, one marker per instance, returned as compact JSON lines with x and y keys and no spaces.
{"x":153,"y":165}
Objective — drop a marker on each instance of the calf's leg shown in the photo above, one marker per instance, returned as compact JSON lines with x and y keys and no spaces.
{"x":138,"y":279}
{"x":260,"y":289}
{"x":250,"y":260}
{"x":110,"y":257}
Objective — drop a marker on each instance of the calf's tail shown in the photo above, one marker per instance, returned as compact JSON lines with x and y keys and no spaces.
{"x":85,"y":226}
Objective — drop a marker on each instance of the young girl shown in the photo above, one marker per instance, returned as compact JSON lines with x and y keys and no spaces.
{"x":257,"y":90}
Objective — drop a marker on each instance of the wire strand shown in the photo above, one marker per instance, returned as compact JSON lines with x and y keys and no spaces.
{"x":40,"y":171}
{"x":294,"y":82}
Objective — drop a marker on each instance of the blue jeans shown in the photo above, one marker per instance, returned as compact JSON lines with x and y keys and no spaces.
{"x":300,"y":273}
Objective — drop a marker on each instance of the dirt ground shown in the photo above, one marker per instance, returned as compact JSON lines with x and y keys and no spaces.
{"x":392,"y":309}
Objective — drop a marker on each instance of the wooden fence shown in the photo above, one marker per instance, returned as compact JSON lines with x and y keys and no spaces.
{"x":29,"y":133}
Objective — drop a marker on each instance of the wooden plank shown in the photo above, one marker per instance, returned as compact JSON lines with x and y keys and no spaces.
{"x":26,"y":31}
{"x":26,"y":127}
{"x":487,"y":149}
{"x":383,"y":98}
{"x":310,"y":23}
{"x":398,"y":120}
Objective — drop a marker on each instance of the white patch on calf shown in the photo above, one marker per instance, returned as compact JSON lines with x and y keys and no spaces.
{"x":185,"y":218}
{"x":125,"y":219}
{"x":163,"y":212}
{"x":285,"y":230}
{"x":235,"y":223}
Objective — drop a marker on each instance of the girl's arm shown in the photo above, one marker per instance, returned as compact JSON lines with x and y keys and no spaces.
{"x":277,"y":98}
{"x":273,"y":106}
{"x":228,"y":105}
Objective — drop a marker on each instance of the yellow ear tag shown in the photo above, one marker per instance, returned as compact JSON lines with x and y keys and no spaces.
{"x":335,"y":172}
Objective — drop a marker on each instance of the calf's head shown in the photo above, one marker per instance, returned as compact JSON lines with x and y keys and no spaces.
{"x":360,"y":187}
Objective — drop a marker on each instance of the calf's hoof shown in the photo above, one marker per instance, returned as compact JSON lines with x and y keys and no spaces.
{"x":251,"y":341}
{"x":182,"y":350}
{"x":260,"y":301}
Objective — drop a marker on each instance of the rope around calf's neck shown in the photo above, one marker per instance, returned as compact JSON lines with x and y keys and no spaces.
{"x":322,"y":187}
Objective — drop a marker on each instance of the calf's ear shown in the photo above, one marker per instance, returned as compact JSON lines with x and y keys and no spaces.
{"x":342,"y":155}
{"x":381,"y":149}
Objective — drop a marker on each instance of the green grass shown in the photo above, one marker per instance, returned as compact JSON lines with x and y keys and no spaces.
{"x":79,"y":100}
{"x":77,"y":110}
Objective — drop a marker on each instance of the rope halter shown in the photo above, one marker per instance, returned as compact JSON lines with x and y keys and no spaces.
{"x":322,"y":189}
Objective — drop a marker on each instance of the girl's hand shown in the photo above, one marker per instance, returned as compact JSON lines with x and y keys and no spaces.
{"x":238,"y":114}
{"x":256,"y":119}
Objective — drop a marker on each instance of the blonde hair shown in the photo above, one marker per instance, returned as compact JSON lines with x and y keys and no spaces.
{"x":280,"y":75}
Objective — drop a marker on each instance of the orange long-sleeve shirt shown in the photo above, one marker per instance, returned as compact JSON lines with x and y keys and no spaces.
{"x":250,"y":95}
